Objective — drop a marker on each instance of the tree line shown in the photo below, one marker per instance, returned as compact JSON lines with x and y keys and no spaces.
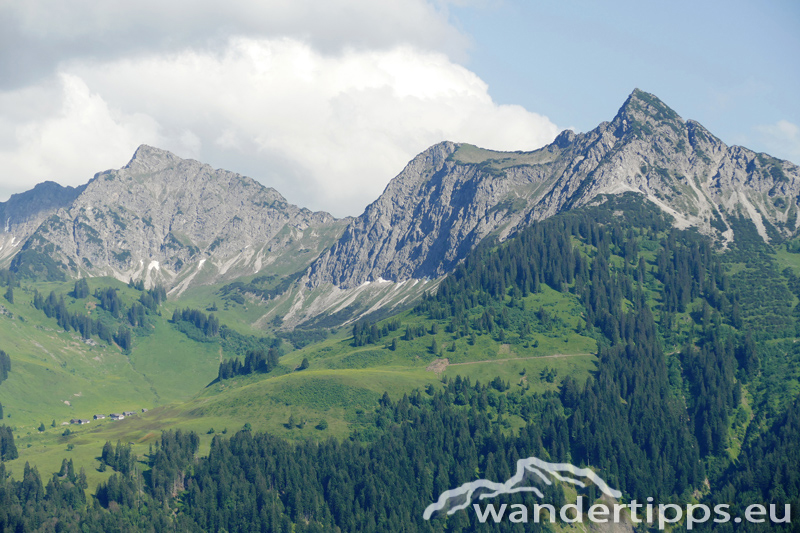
{"x":134,"y":316}
{"x":255,"y":361}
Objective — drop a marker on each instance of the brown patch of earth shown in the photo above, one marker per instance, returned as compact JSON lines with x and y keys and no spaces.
{"x":438,"y":366}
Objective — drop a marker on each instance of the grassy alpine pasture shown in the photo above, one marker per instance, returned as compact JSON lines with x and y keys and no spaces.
{"x":207,"y":298}
{"x":560,"y":338}
{"x":171,"y":374}
{"x":537,"y":374}
{"x":57,"y":375}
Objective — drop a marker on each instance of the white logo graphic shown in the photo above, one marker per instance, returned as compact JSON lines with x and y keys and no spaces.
{"x":456,"y":499}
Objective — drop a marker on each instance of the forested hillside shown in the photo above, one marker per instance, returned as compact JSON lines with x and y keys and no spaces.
{"x":693,"y":397}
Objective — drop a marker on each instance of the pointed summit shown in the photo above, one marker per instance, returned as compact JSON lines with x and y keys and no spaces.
{"x":161,"y":217}
{"x":150,"y":159}
{"x":645,"y":107}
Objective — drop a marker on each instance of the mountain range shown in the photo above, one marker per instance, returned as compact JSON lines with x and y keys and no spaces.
{"x":452,"y":196}
{"x":624,"y":299}
{"x":180,"y":223}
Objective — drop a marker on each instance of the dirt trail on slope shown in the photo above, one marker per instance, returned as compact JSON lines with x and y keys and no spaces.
{"x":439,"y":365}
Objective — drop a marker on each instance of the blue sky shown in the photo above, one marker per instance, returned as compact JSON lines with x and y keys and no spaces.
{"x":327,"y":100}
{"x":734,"y":66}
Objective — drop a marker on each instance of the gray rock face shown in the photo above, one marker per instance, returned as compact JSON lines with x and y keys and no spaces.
{"x":21,"y":214}
{"x":452,"y":196}
{"x":179,"y":222}
{"x":166,"y":220}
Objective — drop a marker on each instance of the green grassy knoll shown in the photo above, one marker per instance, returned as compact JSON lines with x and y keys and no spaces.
{"x":537,"y":374}
{"x":207,"y":298}
{"x":787,"y":258}
{"x":336,"y":395}
{"x":47,"y":449}
{"x":470,"y":154}
{"x":84,"y":443}
{"x":559,"y":336}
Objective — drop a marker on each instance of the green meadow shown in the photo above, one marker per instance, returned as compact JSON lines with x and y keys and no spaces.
{"x":57,"y":376}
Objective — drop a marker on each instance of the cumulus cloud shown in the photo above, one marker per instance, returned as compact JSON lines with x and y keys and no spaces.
{"x":36,"y":35}
{"x":327,"y":130}
{"x":323,"y":100}
{"x":77,"y":135}
{"x":782,"y":139}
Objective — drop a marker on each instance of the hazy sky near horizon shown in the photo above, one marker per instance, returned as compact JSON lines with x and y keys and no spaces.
{"x":326,"y":101}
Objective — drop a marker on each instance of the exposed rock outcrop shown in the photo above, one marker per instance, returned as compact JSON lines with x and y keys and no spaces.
{"x":452,"y":196}
{"x":163,"y":219}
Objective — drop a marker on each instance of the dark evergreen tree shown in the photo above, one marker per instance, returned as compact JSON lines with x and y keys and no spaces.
{"x":8,"y":450}
{"x":5,"y":366}
{"x":81,"y":289}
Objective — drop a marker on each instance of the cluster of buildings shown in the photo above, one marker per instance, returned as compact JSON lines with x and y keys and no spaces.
{"x":112,"y":416}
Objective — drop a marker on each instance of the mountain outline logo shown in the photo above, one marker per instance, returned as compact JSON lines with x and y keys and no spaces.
{"x":532,"y":467}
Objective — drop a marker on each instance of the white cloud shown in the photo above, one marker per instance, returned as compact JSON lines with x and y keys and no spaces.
{"x":70,"y":141}
{"x":327,"y":130}
{"x":39,"y":34}
{"x":782,"y":139}
{"x":334,"y":22}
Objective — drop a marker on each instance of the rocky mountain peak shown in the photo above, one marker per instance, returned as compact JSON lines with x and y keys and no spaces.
{"x":150,"y":159}
{"x":644,"y":112}
{"x":564,"y":139}
{"x":179,"y":222}
{"x":165,"y":219}
{"x":22,"y":213}
{"x":452,"y":196}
